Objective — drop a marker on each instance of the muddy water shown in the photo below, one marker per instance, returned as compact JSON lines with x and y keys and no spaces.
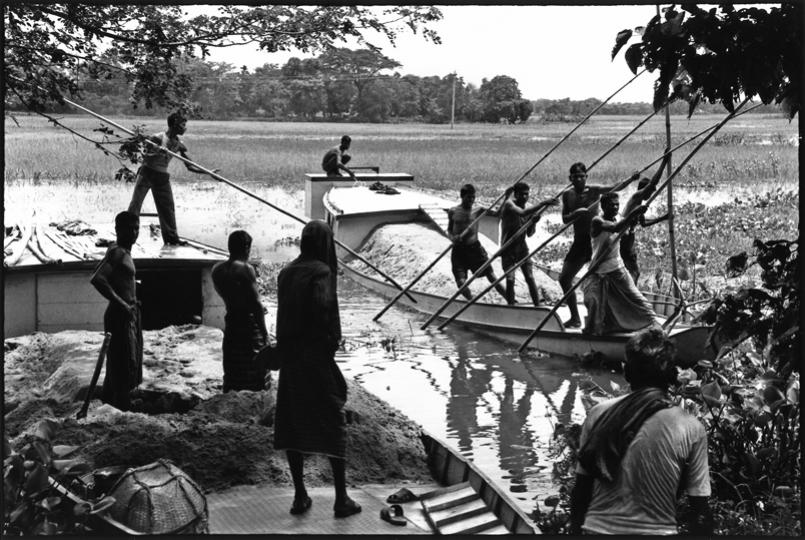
{"x":493,"y":405}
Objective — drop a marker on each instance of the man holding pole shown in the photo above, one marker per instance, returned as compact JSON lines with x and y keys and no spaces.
{"x":575,"y":208}
{"x":114,"y":279}
{"x":153,"y":175}
{"x":613,"y":302}
{"x":468,"y":253}
{"x":644,"y":190}
{"x":513,"y":215}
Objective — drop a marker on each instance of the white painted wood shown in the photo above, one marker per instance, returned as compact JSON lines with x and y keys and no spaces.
{"x":19,"y":304}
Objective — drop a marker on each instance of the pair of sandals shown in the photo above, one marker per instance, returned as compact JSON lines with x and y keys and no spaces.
{"x":394,"y":513}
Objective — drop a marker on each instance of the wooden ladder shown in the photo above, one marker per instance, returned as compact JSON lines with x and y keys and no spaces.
{"x":458,"y":509}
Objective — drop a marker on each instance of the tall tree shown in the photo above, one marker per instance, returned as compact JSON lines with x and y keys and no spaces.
{"x":501,"y":98}
{"x":360,"y":66}
{"x":719,"y":53}
{"x":50,"y":47}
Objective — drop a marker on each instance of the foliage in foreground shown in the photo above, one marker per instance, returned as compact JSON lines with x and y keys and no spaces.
{"x":747,"y":399}
{"x":31,"y":503}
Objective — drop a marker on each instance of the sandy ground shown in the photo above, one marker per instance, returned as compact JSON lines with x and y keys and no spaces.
{"x":222,"y":440}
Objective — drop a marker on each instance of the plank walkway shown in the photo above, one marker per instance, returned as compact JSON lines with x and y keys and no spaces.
{"x":265,"y":510}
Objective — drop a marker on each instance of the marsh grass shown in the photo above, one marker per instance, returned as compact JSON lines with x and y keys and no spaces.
{"x":751,"y":149}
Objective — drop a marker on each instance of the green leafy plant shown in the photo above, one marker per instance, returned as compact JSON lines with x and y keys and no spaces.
{"x":32,"y":503}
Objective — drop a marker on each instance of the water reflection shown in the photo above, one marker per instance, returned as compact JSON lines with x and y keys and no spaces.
{"x":476,"y":393}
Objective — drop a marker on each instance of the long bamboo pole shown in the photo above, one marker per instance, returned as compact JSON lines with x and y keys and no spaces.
{"x":500,"y":197}
{"x":533,"y":252}
{"x":614,"y":242}
{"x":522,"y":229}
{"x":242,"y":190}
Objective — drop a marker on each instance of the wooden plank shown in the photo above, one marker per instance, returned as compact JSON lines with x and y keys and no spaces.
{"x":76,"y":315}
{"x":459,"y":512}
{"x":67,"y":288}
{"x":472,"y":525}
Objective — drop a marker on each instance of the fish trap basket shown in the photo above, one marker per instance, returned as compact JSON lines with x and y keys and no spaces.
{"x":160,"y":498}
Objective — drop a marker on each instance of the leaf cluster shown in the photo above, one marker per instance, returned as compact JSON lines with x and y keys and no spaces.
{"x":720,"y":53}
{"x":31,"y":503}
{"x":50,"y":48}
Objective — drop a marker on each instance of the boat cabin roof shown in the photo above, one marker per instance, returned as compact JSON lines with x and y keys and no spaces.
{"x":75,"y":244}
{"x":360,"y":199}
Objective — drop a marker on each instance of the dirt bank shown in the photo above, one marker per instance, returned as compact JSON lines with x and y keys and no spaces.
{"x":221,"y":441}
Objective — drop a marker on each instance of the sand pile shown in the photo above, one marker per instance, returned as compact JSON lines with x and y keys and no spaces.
{"x":404,"y":250}
{"x":221,"y":441}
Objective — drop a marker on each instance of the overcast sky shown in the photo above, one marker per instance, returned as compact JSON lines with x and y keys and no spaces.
{"x":552,"y":51}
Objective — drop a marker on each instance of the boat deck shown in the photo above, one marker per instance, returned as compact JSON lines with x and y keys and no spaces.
{"x":265,"y":510}
{"x":360,"y":199}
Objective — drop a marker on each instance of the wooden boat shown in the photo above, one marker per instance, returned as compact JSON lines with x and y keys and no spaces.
{"x":355,"y":212}
{"x":47,"y":279}
{"x":471,"y":503}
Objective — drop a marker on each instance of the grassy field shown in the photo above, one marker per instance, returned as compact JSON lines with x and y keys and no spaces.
{"x":746,"y":175}
{"x":752,"y":148}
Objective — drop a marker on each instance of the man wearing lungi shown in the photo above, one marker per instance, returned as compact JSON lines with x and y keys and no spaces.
{"x":114,"y":279}
{"x":245,"y":332}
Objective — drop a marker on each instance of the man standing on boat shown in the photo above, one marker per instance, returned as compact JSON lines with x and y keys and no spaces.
{"x":638,"y":451}
{"x":114,"y":279}
{"x":153,"y":175}
{"x":336,"y":159}
{"x":613,"y":302}
{"x":575,"y":203}
{"x":513,"y":215}
{"x":245,"y":332}
{"x":644,"y":190}
{"x":468,"y":253}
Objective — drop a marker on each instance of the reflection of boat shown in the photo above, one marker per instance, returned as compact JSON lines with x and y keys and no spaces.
{"x":355,"y":212}
{"x":471,"y":503}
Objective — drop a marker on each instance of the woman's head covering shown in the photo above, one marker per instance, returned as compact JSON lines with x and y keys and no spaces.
{"x":317,"y":243}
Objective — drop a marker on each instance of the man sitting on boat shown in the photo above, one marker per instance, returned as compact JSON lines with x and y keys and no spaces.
{"x":513,"y":215}
{"x":468,"y":253}
{"x":614,"y":304}
{"x":336,"y":158}
{"x":638,"y":451}
{"x":245,"y":332}
{"x":575,"y":203}
{"x":644,"y":190}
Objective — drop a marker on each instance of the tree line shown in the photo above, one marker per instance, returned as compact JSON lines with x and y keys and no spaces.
{"x":345,"y":85}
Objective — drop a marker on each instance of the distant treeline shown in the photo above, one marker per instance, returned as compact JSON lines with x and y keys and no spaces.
{"x":344,"y":85}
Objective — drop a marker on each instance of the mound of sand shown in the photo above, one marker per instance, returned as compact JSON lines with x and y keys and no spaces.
{"x":404,"y":250}
{"x":222,"y":440}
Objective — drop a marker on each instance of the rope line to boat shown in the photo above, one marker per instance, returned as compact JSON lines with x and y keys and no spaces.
{"x":501,"y":197}
{"x":567,"y":225}
{"x":614,"y":243}
{"x":230,"y":183}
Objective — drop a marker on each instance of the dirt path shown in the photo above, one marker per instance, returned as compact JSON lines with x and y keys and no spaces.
{"x":221,"y":441}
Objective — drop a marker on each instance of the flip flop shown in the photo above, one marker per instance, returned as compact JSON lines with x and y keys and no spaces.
{"x":394,"y":515}
{"x":403,"y":495}
{"x":300,"y":507}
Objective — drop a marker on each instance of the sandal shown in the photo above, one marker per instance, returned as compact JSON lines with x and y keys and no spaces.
{"x":403,"y":495}
{"x":301,"y":506}
{"x":394,"y":515}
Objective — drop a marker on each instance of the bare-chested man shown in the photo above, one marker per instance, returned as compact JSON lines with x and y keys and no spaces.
{"x":574,"y":205}
{"x":245,"y":332}
{"x":644,"y":190}
{"x":467,"y":253}
{"x":513,"y":215}
{"x":114,"y":279}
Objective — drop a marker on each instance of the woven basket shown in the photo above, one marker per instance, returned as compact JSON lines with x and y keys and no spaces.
{"x":160,"y":498}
